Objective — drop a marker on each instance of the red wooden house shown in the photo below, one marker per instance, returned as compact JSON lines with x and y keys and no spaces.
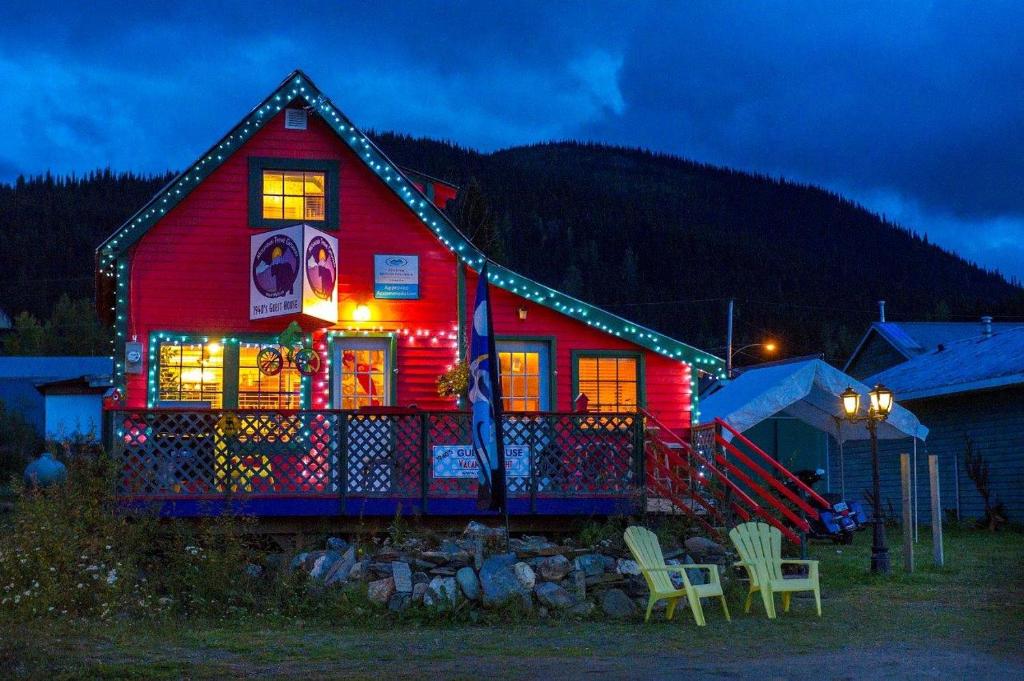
{"x":296,"y":216}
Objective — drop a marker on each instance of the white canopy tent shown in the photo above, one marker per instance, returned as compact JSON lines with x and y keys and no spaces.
{"x":807,"y":390}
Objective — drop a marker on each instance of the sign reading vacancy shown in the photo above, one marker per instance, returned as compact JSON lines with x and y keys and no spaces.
{"x":459,"y":461}
{"x":293,"y":270}
{"x":396,"y":277}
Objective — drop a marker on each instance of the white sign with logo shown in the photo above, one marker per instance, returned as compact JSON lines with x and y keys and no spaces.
{"x":277,"y":261}
{"x":459,"y":461}
{"x":274,"y":286}
{"x":396,"y":277}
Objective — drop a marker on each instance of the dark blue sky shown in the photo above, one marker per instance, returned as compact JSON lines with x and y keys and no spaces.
{"x":915,"y":109}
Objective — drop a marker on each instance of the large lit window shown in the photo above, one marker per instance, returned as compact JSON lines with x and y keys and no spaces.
{"x":611,"y":383}
{"x":257,"y":390}
{"x":290,"y":191}
{"x":192,"y":372}
{"x":293,"y":195}
{"x":520,"y":381}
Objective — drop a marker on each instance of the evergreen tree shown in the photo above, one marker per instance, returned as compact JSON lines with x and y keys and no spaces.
{"x":26,"y":337}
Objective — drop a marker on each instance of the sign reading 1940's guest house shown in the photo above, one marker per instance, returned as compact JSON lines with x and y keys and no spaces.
{"x":396,"y":277}
{"x":294,"y":270}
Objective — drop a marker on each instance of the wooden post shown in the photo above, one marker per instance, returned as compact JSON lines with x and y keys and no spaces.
{"x":933,"y":477}
{"x":908,"y":514}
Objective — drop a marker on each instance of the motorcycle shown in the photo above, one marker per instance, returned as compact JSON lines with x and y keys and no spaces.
{"x":840,"y":520}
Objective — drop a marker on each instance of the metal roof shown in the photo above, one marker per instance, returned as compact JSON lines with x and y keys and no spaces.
{"x":975,"y":363}
{"x":911,"y":339}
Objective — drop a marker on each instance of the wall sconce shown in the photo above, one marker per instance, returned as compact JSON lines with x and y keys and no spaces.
{"x":362,"y":313}
{"x":522,"y":313}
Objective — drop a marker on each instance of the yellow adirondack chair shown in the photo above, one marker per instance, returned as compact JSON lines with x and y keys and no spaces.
{"x":644,"y":546}
{"x":760,"y":548}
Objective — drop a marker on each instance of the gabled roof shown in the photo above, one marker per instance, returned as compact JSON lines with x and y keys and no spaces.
{"x":977,"y":363}
{"x":911,"y":339}
{"x":298,"y":86}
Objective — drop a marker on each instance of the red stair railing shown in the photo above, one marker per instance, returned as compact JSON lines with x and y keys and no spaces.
{"x":753,"y":483}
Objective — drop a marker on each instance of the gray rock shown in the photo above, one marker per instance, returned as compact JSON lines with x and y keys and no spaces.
{"x":323,"y":563}
{"x":469,"y":583}
{"x":402,"y":574}
{"x":381,"y":590}
{"x":337,"y":544}
{"x":360,"y":571}
{"x":420,"y":578}
{"x":617,"y":604}
{"x":498,"y":580}
{"x":342,"y":569}
{"x":554,"y":596}
{"x":298,"y":560}
{"x":525,"y":575}
{"x":695,"y":575}
{"x":477,"y":530}
{"x":399,"y":602}
{"x":418,"y":590}
{"x":591,"y":564}
{"x":704,"y":548}
{"x":582,"y":609}
{"x":554,"y":568}
{"x":442,"y":593}
{"x":627,"y":567}
{"x":579,"y":583}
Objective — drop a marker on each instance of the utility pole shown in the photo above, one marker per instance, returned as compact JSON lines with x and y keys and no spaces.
{"x":728,"y":342}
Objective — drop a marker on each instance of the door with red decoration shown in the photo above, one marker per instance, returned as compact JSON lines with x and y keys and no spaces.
{"x":362,"y":374}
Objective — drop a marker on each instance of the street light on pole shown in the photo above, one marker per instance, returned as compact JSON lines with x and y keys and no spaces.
{"x":881,"y":403}
{"x":769,"y":346}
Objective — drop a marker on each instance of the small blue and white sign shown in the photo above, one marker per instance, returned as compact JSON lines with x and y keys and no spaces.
{"x":459,"y":461}
{"x":396,"y":277}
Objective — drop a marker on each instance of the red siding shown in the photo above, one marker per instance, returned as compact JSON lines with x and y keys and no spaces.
{"x":667,"y":380}
{"x":190,"y":274}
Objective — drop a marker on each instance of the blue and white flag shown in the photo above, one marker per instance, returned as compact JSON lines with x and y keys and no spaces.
{"x":485,"y":399}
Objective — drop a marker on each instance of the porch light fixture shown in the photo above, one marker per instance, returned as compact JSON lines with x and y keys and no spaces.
{"x":362,"y":313}
{"x":881,"y":401}
{"x":881,"y":404}
{"x":851,"y":403}
{"x":522,"y":313}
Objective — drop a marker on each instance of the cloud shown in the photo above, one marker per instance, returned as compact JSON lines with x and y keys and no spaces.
{"x":919,"y":101}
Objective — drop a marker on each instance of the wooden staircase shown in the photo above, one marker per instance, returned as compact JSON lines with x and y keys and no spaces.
{"x":720,"y":481}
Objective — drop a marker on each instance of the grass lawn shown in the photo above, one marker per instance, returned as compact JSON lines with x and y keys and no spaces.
{"x":963,"y":620}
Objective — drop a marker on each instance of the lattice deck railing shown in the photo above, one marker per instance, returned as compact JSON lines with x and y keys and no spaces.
{"x":175,"y":454}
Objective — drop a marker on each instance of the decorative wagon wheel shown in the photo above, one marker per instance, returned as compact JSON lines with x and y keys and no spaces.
{"x":269,"y":361}
{"x":306,"y":361}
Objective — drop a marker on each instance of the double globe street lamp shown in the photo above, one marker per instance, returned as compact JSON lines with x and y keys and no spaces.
{"x":881,"y":404}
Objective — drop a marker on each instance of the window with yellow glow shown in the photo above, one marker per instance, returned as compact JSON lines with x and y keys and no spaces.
{"x":257,"y":390}
{"x":610,"y":383}
{"x":363,"y":377}
{"x":520,"y":381}
{"x":192,"y":372}
{"x":293,"y":195}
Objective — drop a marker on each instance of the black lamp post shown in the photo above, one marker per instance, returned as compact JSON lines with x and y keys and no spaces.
{"x":881,"y":404}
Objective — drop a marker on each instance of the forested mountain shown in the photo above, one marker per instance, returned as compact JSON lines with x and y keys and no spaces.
{"x":658,"y":239}
{"x":665,"y":241}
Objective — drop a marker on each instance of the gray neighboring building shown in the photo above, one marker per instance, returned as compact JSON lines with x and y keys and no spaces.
{"x":962,"y":381}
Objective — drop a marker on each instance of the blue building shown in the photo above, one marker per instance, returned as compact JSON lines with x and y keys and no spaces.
{"x":965,"y":382}
{"x":59,"y":396}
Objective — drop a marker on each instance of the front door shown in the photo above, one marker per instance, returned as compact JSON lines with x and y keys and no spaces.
{"x":362,"y":380}
{"x":525,"y":370}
